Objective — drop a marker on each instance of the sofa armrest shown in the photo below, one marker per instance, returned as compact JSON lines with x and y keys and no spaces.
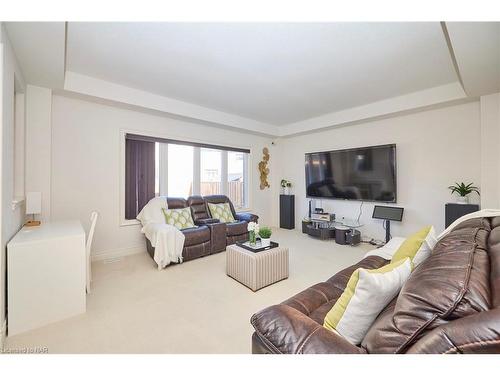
{"x":206,"y":221}
{"x":286,"y":330}
{"x":246,"y":216}
{"x":217,"y":236}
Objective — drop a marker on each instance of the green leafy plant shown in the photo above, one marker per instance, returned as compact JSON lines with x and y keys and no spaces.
{"x":265,"y":232}
{"x":286,"y":183}
{"x":462,"y":189}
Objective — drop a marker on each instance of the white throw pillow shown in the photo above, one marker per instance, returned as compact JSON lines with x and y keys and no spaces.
{"x":152,"y":211}
{"x":365,"y":296}
{"x":426,"y":248}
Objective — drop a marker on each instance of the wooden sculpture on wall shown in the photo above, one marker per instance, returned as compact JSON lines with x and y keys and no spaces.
{"x":264,"y":170}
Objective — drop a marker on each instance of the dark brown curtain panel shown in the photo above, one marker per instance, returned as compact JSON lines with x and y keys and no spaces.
{"x":139,"y":175}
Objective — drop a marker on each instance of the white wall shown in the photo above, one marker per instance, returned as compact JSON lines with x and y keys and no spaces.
{"x":38,"y":145}
{"x":85,"y":166}
{"x":11,"y":217}
{"x":490,"y":152}
{"x":435,"y":148}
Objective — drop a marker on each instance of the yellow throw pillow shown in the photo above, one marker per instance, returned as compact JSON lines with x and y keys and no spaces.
{"x":365,"y":296}
{"x":417,"y":247}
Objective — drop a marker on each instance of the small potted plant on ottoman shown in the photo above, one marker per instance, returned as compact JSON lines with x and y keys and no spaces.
{"x":265,"y":236}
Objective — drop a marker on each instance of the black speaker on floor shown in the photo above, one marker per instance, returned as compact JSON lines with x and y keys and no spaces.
{"x":287,"y":211}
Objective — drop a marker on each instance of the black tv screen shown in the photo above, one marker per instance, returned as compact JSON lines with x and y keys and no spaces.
{"x":367,"y":174}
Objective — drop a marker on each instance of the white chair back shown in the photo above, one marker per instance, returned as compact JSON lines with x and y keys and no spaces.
{"x":88,"y":246}
{"x":93,"y":220}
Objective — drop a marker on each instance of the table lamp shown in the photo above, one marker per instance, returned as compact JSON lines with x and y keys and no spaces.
{"x":33,"y":207}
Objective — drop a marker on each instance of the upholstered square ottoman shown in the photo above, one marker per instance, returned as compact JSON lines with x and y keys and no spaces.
{"x":257,"y":270}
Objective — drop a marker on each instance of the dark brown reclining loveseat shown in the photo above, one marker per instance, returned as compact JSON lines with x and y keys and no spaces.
{"x":450,"y":304}
{"x":210,"y":236}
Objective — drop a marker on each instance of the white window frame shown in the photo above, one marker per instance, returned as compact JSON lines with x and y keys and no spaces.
{"x":196,"y":170}
{"x":246,"y":186}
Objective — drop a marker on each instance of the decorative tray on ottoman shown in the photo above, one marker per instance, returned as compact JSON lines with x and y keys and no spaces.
{"x":257,"y":247}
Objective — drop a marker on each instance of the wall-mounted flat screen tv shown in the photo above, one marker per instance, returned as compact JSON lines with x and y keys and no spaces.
{"x":367,"y":174}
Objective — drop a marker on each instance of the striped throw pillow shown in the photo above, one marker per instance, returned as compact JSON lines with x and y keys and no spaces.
{"x":365,"y":296}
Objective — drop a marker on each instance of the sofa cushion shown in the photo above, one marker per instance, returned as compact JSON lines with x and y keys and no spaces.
{"x":319,"y":314}
{"x":341,"y":278}
{"x":452,"y":283}
{"x":236,"y":228}
{"x":198,"y":207}
{"x":195,"y":236}
{"x":176,"y":203}
{"x":309,"y":301}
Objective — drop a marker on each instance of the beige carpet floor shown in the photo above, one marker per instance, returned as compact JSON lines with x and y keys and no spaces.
{"x":188,"y":308}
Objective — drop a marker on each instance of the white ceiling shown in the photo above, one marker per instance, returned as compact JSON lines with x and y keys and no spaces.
{"x":276,"y":79}
{"x":277,"y":73}
{"x":477,"y":49}
{"x":40,"y":48}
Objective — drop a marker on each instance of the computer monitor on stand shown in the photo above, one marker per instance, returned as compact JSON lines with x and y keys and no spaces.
{"x":388,"y":214}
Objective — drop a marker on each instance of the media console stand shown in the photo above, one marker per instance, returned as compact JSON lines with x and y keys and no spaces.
{"x":343,"y":231}
{"x":324,"y":233}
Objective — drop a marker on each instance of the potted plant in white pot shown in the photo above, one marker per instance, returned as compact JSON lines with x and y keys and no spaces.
{"x":265,"y":236}
{"x":463,"y":191}
{"x":286,"y":185}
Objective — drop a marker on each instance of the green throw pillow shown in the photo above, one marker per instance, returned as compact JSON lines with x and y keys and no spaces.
{"x":221,"y":211}
{"x":179,"y":217}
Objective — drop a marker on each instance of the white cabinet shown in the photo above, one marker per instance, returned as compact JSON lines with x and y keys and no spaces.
{"x":46,"y":275}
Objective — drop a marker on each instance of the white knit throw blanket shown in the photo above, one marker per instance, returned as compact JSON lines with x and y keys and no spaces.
{"x":168,"y":242}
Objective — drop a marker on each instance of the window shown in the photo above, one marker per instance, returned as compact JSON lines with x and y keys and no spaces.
{"x":156,"y":166}
{"x":210,"y":171}
{"x":180,"y":171}
{"x":236,"y":178}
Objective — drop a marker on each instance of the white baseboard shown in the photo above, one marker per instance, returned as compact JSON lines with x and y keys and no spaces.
{"x":3,"y":334}
{"x":117,"y":253}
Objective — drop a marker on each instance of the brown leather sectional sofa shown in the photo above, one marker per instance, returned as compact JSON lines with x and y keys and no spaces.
{"x":450,"y":304}
{"x":210,"y":236}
